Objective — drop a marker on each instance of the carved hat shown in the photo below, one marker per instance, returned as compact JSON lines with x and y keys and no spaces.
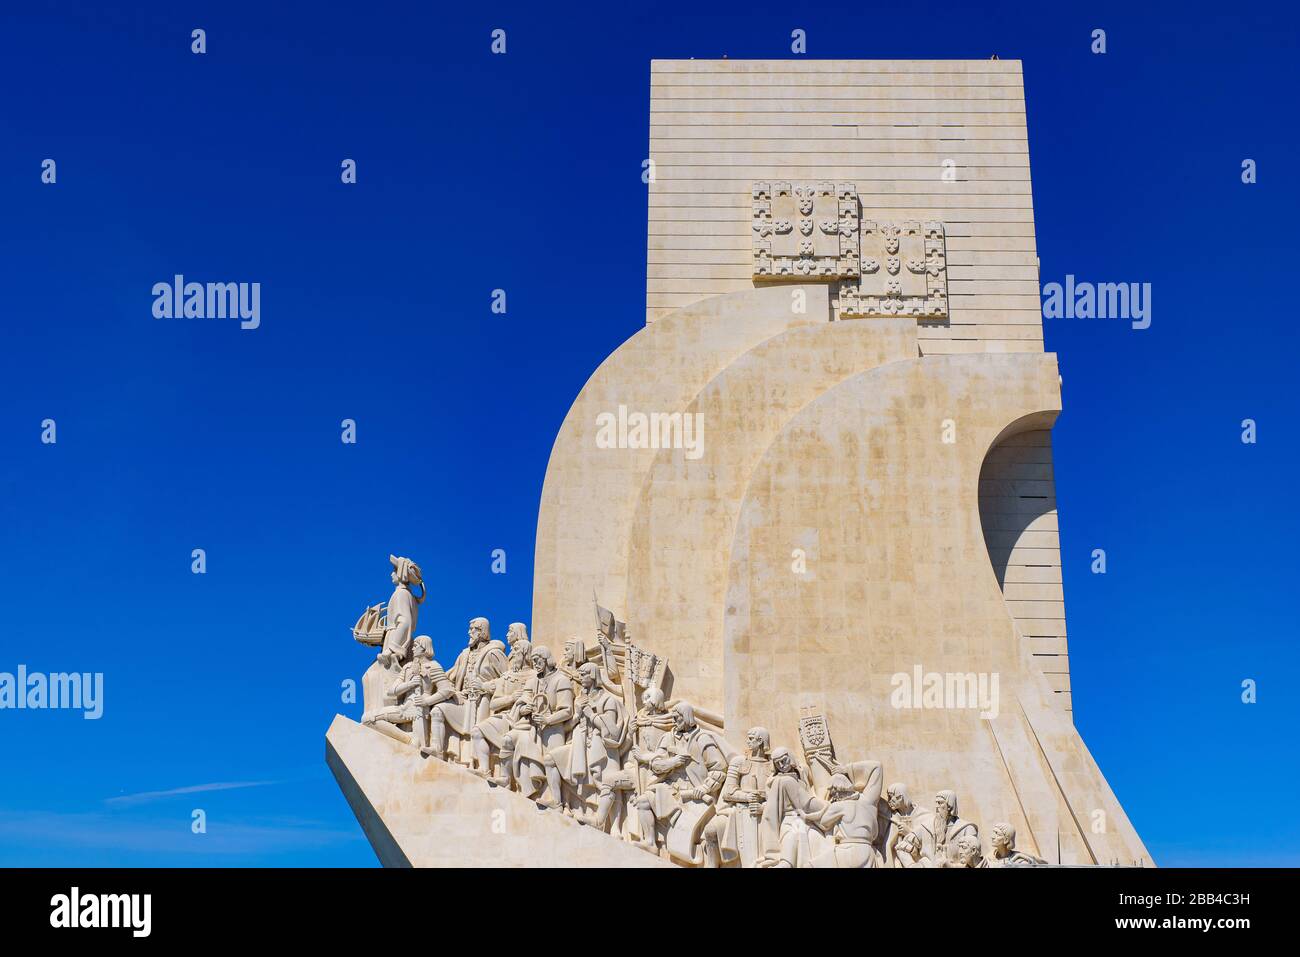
{"x":780,"y":753}
{"x":407,"y":571}
{"x":950,"y":799}
{"x":579,"y":650}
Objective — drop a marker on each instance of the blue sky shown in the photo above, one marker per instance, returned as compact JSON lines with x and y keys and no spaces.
{"x":375,"y":306}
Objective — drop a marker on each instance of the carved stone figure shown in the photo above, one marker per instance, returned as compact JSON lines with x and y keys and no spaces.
{"x":652,"y":722}
{"x":521,"y":761}
{"x":939,"y":831}
{"x":900,"y":826}
{"x":967,"y":853}
{"x":548,"y":715}
{"x":789,"y":799}
{"x":851,"y":823}
{"x":478,"y":665}
{"x":688,"y":770}
{"x":403,"y":610}
{"x":516,"y":633}
{"x":732,"y":837}
{"x":507,"y":692}
{"x":1005,"y":854}
{"x":419,"y":684}
{"x":590,"y":762}
{"x":574,"y":657}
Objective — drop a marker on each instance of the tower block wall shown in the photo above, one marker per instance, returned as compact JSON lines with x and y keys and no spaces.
{"x":919,"y":139}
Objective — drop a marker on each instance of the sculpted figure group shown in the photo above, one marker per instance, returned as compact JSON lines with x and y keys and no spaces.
{"x":594,"y":736}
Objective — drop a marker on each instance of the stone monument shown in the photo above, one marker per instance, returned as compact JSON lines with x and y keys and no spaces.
{"x":798,"y":535}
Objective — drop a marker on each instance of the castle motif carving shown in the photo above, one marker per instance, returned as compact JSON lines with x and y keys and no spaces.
{"x":805,"y":232}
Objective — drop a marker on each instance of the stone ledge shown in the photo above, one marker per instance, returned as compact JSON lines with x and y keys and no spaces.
{"x":427,"y":813}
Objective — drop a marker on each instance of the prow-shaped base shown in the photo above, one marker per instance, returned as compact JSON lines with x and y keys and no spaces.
{"x":427,"y":813}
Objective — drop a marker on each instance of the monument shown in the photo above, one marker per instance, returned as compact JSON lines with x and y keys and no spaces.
{"x":797,"y":556}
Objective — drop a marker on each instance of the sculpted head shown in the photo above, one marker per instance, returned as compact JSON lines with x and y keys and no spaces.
{"x":405,"y":571}
{"x":516,"y":633}
{"x":589,"y":675}
{"x":1003,"y":839}
{"x":898,"y":800}
{"x":653,"y":700}
{"x":543,"y":661}
{"x":969,"y":852}
{"x":840,"y":788}
{"x":422,"y":647}
{"x":758,"y":741}
{"x":521,"y":653}
{"x":783,"y":760}
{"x":945,"y":804}
{"x":479,"y":631}
{"x":683,"y":717}
{"x":575,"y":652}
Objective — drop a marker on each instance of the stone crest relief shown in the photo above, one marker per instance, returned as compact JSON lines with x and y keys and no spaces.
{"x":904,"y":272}
{"x":803,"y":231}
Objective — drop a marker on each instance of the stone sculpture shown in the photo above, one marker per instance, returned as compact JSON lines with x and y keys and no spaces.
{"x":899,"y":827}
{"x":596,"y":738}
{"x":1004,"y":849}
{"x":590,"y":762}
{"x":939,"y":831}
{"x":967,"y":853}
{"x":733,"y":834}
{"x":391,"y":625}
{"x":687,"y":771}
{"x":849,"y":821}
{"x":475,"y":669}
{"x":505,"y":694}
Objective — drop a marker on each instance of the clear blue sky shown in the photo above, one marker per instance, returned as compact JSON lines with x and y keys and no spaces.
{"x":522,"y":172}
